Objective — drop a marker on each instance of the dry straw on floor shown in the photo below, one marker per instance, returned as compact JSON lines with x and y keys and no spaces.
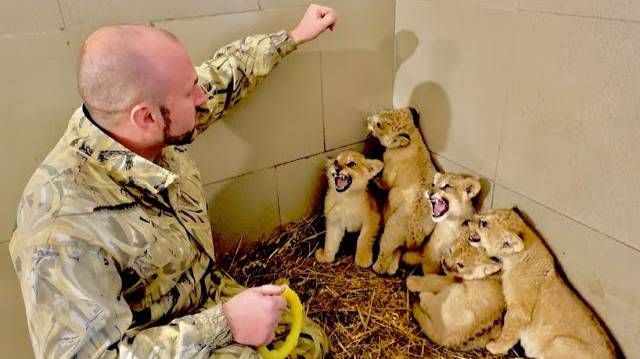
{"x":365,"y":315}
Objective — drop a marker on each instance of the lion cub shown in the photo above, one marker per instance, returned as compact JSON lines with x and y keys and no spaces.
{"x":542,"y":311}
{"x":349,"y":207}
{"x":462,"y":310}
{"x":451,"y":201}
{"x":408,"y":173}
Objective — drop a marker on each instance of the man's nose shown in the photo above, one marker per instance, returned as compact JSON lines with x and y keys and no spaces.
{"x":200,"y":97}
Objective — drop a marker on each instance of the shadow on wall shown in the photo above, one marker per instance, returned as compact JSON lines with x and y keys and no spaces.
{"x":428,"y":97}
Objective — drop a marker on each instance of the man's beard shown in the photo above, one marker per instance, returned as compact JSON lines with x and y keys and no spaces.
{"x":176,"y":140}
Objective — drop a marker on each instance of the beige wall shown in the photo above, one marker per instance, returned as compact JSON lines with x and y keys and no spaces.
{"x":540,"y":97}
{"x":537,"y":96}
{"x":262,"y":166}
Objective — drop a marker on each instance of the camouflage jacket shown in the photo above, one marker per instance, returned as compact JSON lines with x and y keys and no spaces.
{"x":113,"y":252}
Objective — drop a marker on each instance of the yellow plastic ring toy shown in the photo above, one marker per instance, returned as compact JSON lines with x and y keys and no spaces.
{"x":296,"y":326}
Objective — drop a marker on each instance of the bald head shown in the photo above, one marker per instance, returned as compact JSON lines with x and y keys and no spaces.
{"x":123,"y":65}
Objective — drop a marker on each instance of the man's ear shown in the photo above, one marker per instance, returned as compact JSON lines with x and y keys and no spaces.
{"x":472,"y":186}
{"x":142,"y":117}
{"x":374,"y":166}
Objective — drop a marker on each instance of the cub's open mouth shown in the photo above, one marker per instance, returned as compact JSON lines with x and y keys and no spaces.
{"x":439,"y":206}
{"x":342,"y":181}
{"x":474,"y":237}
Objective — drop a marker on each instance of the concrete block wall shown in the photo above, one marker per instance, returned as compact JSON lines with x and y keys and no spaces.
{"x":540,"y":98}
{"x":262,"y":165}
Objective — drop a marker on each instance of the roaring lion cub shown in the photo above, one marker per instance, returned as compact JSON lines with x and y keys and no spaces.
{"x":349,"y":207}
{"x":462,"y":310}
{"x":408,"y":173}
{"x":542,"y":311}
{"x":451,"y":201}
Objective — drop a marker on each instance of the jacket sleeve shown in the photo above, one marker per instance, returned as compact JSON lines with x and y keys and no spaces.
{"x":75,"y":309}
{"x":235,"y":70}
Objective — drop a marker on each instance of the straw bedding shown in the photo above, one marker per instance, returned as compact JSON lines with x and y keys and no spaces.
{"x":363,"y":314}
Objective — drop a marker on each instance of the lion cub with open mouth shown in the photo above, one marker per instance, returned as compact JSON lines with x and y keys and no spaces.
{"x":451,"y":201}
{"x":408,"y":173}
{"x":349,"y":207}
{"x":462,"y":310}
{"x":543,"y":313}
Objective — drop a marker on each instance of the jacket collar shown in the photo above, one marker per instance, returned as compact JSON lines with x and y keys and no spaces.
{"x":124,"y":166}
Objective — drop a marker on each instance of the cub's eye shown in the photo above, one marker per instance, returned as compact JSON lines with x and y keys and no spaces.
{"x":378,"y":125}
{"x":351,"y":164}
{"x":460,"y":265}
{"x":445,"y":187}
{"x":484,"y":224}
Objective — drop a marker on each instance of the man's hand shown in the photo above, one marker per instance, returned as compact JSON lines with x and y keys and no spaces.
{"x":315,"y":21}
{"x":254,"y":314}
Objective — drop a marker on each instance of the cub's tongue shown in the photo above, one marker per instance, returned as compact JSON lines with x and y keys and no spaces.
{"x":439,"y":207}
{"x":341,"y":182}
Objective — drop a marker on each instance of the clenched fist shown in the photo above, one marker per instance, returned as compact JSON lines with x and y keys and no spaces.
{"x":315,"y":21}
{"x":254,"y":314}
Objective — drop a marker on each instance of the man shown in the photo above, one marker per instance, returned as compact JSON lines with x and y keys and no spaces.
{"x":113,"y":248}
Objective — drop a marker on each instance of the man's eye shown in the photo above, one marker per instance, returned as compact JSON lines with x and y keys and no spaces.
{"x":351,"y":164}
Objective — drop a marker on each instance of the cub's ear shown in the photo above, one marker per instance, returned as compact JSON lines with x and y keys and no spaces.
{"x":511,"y":243}
{"x":374,"y":167}
{"x":515,"y":221}
{"x":329,"y":162}
{"x":437,"y":177}
{"x":472,"y":186}
{"x":402,"y":140}
{"x":490,"y":269}
{"x":415,"y":115}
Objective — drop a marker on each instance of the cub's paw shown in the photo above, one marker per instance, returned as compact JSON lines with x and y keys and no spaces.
{"x":378,"y":267}
{"x":414,"y":283}
{"x":496,"y":347}
{"x":364,"y":260}
{"x":381,"y":267}
{"x":393,"y":267}
{"x":322,"y":257}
